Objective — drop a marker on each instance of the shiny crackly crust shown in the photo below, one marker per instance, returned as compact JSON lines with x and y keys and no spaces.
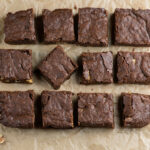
{"x":132,"y":27}
{"x":57,"y":67}
{"x":57,"y":109}
{"x":16,"y":65}
{"x":133,"y":67}
{"x":17,"y":109}
{"x":58,"y":26}
{"x":97,"y":67}
{"x":93,"y":27}
{"x":136,"y":110}
{"x":19,"y":27}
{"x":95,"y":110}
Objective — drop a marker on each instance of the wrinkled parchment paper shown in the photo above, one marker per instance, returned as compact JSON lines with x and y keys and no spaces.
{"x":78,"y":138}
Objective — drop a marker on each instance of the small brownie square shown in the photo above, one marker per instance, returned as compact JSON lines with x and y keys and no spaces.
{"x":135,"y":110}
{"x":95,"y":110}
{"x":57,"y":67}
{"x":17,"y":109}
{"x":19,"y":27}
{"x":133,"y":67}
{"x":57,"y":109}
{"x":132,"y":27}
{"x":58,"y":26}
{"x":97,"y":67}
{"x":93,"y":27}
{"x":16,"y":65}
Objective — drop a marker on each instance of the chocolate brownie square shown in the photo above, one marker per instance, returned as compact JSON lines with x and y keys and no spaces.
{"x":93,"y":27}
{"x":132,"y":27}
{"x":95,"y":110}
{"x":97,"y":67}
{"x":57,"y":109}
{"x":57,"y":67}
{"x":17,"y":109}
{"x":58,"y":26}
{"x":19,"y":27}
{"x":135,"y":110}
{"x":16,"y":65}
{"x":133,"y":67}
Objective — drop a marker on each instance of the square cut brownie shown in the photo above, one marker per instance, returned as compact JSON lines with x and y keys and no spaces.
{"x":133,"y":67}
{"x":93,"y":27}
{"x":19,"y":27}
{"x":132,"y":27}
{"x":97,"y":67}
{"x":135,"y":110}
{"x":57,"y":67}
{"x":57,"y":109}
{"x":95,"y":110}
{"x":16,"y":65}
{"x":17,"y":109}
{"x":58,"y":26}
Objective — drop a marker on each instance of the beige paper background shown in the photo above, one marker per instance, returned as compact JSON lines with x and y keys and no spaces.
{"x":78,"y":138}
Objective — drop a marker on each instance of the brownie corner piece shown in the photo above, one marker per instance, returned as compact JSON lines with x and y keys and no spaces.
{"x":135,"y":110}
{"x":95,"y":110}
{"x":133,"y":67}
{"x":57,"y":109}
{"x":97,"y":67}
{"x":19,"y":27}
{"x":16,"y":65}
{"x":93,"y":27}
{"x":57,"y":67}
{"x":58,"y":26}
{"x":132,"y":27}
{"x":17,"y":108}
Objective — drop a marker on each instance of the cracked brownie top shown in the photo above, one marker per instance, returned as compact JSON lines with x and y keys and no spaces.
{"x":132,"y":27}
{"x":133,"y":67}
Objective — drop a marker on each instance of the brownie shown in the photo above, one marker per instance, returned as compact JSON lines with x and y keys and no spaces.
{"x":97,"y":67}
{"x":17,"y":109}
{"x":135,"y":110}
{"x":19,"y":27}
{"x":132,"y":27}
{"x":93,"y":27}
{"x":16,"y":65}
{"x":57,"y":109}
{"x":57,"y":67}
{"x":58,"y":26}
{"x":133,"y":67}
{"x":95,"y":110}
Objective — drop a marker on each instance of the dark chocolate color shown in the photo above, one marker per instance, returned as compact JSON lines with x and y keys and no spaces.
{"x":17,"y":109}
{"x":132,"y":27}
{"x":93,"y":27}
{"x":57,"y":109}
{"x":15,"y":65}
{"x":95,"y":110}
{"x":57,"y":67}
{"x":58,"y":26}
{"x":19,"y":27}
{"x":97,"y":67}
{"x":133,"y":67}
{"x":136,"y":110}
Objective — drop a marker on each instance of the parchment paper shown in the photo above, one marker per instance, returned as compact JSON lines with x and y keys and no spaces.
{"x":78,"y":138}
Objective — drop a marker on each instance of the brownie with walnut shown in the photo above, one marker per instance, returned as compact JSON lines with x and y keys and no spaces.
{"x":135,"y":110}
{"x":57,"y":109}
{"x":19,"y":27}
{"x":17,"y":109}
{"x":97,"y":67}
{"x":133,"y":67}
{"x":95,"y":110}
{"x":93,"y":27}
{"x":132,"y":27}
{"x":57,"y":67}
{"x":58,"y":26}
